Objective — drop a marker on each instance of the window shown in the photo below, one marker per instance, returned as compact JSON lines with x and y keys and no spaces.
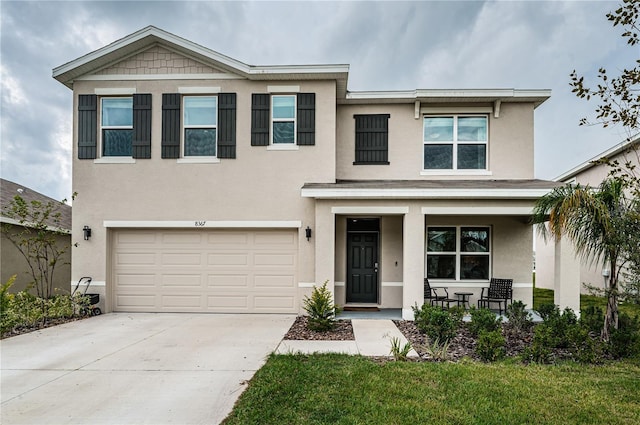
{"x":455,"y":143}
{"x":117,"y":126}
{"x":200,"y":125}
{"x":372,"y":139}
{"x":283,"y":119}
{"x":458,"y":253}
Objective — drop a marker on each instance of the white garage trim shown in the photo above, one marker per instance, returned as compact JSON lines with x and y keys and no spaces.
{"x":197,"y":224}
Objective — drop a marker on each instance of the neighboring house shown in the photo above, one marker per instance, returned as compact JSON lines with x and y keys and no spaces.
{"x":12,"y":260}
{"x":216,"y":186}
{"x":592,"y":173}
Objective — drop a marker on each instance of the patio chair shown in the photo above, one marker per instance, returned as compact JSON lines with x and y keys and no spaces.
{"x":433,"y":297}
{"x":499,"y":292}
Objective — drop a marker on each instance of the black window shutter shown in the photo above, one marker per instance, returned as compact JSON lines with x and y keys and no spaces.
{"x":226,"y":125}
{"x":260,"y":105}
{"x":306,"y":115}
{"x":372,"y":139}
{"x":87,"y":126}
{"x":141,"y":126}
{"x":171,"y":125}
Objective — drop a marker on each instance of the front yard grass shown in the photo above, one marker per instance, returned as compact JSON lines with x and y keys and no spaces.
{"x":342,"y":389}
{"x":545,"y":296}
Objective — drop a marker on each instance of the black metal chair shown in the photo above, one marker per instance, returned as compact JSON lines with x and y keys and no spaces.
{"x":431,"y":295}
{"x":499,"y":292}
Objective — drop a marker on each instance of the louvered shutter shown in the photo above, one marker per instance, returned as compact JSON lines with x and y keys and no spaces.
{"x":226,"y":125}
{"x":372,"y":139}
{"x":260,"y":119}
{"x":141,"y":126}
{"x":306,"y":116}
{"x":87,"y":126}
{"x":171,"y":125}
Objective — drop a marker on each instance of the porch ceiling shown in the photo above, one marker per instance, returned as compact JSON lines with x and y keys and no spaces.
{"x":429,"y":189}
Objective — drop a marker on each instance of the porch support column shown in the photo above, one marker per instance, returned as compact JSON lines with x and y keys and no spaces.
{"x":566,"y":276}
{"x":413,"y":261}
{"x":325,"y":242}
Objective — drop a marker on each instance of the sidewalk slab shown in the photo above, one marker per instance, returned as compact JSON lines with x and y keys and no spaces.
{"x":373,"y":337}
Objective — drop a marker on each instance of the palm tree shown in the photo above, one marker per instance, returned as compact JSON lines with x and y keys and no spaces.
{"x":598,"y":223}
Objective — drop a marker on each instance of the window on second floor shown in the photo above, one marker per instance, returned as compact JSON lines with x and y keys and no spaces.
{"x":283,"y":119}
{"x":200,"y":125}
{"x":455,"y":142}
{"x":116,"y":126}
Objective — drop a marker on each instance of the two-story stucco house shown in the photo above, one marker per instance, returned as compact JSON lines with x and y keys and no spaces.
{"x":215,"y":186}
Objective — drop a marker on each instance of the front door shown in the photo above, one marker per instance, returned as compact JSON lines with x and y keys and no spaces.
{"x":362,"y":267}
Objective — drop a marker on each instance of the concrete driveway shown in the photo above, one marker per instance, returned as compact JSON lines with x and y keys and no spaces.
{"x":135,"y":368}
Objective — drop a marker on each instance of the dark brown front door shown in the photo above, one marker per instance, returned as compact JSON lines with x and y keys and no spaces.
{"x":362,"y":267}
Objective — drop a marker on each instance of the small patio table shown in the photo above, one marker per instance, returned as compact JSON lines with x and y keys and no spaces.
{"x":463,"y":298}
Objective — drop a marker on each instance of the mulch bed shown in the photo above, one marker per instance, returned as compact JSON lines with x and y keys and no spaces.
{"x":38,"y":326}
{"x":299,"y":330}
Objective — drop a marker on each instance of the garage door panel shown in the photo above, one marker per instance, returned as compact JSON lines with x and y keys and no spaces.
{"x":136,"y":258}
{"x":228,"y":281}
{"x":240,"y":271}
{"x":228,"y":302}
{"x":182,"y":302}
{"x":181,"y":280}
{"x":270,"y":259}
{"x":181,"y":258}
{"x":238,"y":259}
{"x":273,"y":281}
{"x":136,"y":301}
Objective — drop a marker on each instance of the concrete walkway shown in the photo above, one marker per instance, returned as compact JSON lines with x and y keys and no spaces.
{"x":372,"y":338}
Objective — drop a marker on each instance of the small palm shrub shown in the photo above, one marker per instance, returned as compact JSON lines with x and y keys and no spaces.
{"x":437,"y":323}
{"x":398,"y":350}
{"x":490,"y":346}
{"x":321,"y":309}
{"x":483,"y":319}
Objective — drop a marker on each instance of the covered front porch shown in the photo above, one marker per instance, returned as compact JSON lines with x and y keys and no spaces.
{"x":375,"y":251}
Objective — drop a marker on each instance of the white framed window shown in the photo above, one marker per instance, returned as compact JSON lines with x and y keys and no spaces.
{"x":458,"y":252}
{"x":455,"y":142}
{"x":200,"y":126}
{"x":116,"y":126}
{"x":283,"y":119}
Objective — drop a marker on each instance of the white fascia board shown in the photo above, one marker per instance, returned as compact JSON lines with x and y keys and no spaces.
{"x":506,"y":210}
{"x":365,"y":95}
{"x":425,"y":193}
{"x":298,"y":69}
{"x":452,"y":93}
{"x":370,"y":210}
{"x":198,"y":224}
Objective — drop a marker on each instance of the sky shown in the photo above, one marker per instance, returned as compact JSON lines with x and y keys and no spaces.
{"x":388,"y":45}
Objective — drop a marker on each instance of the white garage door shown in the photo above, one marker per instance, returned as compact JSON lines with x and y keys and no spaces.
{"x":230,"y":271}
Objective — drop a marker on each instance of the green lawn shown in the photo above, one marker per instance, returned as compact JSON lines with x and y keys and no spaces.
{"x":545,"y":296}
{"x":341,"y":389}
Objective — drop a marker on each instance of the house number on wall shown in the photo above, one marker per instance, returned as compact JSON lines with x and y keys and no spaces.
{"x":200,"y":223}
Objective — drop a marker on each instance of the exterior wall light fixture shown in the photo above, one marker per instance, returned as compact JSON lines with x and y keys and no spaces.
{"x":307,"y":233}
{"x":87,"y":232}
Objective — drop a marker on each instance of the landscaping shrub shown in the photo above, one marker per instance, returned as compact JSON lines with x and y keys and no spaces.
{"x":321,"y":309}
{"x":519,"y":318}
{"x":545,"y":309}
{"x":592,"y":319}
{"x":398,"y":350}
{"x":624,"y":342}
{"x":483,"y":319}
{"x":437,"y":323}
{"x":490,"y":346}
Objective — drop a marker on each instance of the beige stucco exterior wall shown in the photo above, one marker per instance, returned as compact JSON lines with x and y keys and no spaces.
{"x":14,"y":263}
{"x":259,"y":185}
{"x":590,"y":274}
{"x":510,"y":144}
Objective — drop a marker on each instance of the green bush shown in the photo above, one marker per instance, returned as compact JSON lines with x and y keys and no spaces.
{"x":490,"y":346}
{"x":540,"y":349}
{"x":519,"y":318}
{"x":546,"y":309}
{"x":592,"y":319}
{"x":624,"y":342}
{"x":483,"y":319}
{"x":321,"y":309}
{"x":437,"y":323}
